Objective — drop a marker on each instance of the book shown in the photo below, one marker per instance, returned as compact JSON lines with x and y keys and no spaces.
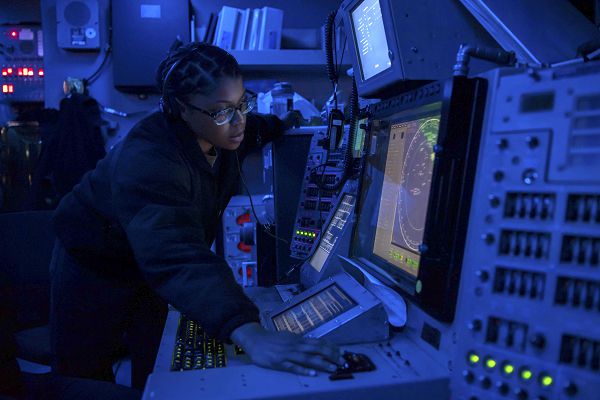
{"x":271,"y":25}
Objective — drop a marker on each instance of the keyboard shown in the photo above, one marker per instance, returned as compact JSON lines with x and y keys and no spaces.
{"x":194,"y":349}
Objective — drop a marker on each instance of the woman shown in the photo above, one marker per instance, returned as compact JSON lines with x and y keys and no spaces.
{"x":135,"y":233}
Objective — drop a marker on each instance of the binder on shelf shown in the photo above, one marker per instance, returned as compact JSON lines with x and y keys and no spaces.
{"x":227,"y":27}
{"x":255,"y":29}
{"x":209,"y":35}
{"x":271,"y":25}
{"x":242,"y":37}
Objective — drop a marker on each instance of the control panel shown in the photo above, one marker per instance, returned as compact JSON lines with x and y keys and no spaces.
{"x":194,"y":349}
{"x":21,"y":63}
{"x":245,"y":244}
{"x":528,"y":320}
{"x":324,"y":170}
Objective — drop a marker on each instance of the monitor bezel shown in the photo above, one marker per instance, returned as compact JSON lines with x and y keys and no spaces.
{"x":377,"y":83}
{"x":435,"y":288}
{"x":356,"y":50}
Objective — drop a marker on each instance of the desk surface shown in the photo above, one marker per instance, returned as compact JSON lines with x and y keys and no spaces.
{"x":402,"y":371}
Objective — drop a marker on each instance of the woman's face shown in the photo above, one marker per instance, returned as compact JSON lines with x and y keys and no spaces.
{"x":229,"y":93}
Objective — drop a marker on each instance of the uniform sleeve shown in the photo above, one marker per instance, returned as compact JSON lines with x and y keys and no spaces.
{"x":261,"y":129}
{"x":152,"y":199}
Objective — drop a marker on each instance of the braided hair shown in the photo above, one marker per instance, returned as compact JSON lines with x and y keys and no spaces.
{"x":199,"y":69}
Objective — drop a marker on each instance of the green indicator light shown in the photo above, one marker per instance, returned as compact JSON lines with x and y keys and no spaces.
{"x":526,"y":374}
{"x":490,"y":363}
{"x":509,"y":369}
{"x":547,"y":380}
{"x":297,"y":232}
{"x":473,"y":358}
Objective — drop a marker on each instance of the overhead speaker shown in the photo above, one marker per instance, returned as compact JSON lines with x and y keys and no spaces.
{"x":77,"y":24}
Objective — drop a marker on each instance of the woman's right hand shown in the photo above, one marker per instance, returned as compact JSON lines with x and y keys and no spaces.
{"x":286,"y":351}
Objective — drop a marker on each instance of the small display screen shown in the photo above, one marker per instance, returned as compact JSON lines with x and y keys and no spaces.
{"x":369,"y":36}
{"x":332,"y":233}
{"x":314,"y":311}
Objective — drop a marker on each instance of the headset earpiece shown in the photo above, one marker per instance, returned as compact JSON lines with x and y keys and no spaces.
{"x":167,"y":104}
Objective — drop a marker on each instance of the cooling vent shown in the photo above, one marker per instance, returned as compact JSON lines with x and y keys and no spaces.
{"x":580,"y":352}
{"x":583,"y":208}
{"x":530,"y":206}
{"x":580,"y":250}
{"x":519,"y":283}
{"x":506,"y":333}
{"x":578,"y":293}
{"x":525,"y":244}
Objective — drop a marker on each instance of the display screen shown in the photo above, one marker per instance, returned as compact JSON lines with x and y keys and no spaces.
{"x":332,"y":233}
{"x":395,"y":189}
{"x":369,"y":36}
{"x":314,"y":311}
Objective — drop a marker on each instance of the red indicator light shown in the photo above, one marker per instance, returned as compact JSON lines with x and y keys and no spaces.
{"x":4,"y":88}
{"x":11,"y":88}
{"x":242,"y":219}
{"x":41,"y":72}
{"x":9,"y":71}
{"x":20,"y":71}
{"x":244,"y":247}
{"x":30,"y":72}
{"x":4,"y":72}
{"x":13,"y":34}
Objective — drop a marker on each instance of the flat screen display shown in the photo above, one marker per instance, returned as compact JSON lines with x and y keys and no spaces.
{"x":331,"y":235}
{"x":395,"y":190}
{"x":314,"y":311}
{"x":369,"y":36}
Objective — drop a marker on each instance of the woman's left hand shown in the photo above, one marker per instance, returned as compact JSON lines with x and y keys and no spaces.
{"x":292,"y":119}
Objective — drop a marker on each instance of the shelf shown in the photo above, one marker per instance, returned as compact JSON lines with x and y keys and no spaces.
{"x":286,"y":59}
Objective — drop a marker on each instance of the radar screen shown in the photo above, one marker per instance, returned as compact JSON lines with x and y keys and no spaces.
{"x":405,"y":192}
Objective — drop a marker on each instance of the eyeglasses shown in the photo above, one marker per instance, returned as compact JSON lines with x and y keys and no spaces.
{"x":225,"y":115}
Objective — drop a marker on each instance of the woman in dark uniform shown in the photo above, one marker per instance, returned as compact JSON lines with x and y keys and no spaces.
{"x":135,"y":233}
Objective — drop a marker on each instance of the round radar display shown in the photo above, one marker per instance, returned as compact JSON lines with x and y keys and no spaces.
{"x":415,"y":182}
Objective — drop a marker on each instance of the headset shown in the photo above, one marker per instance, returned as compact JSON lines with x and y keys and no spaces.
{"x":168,"y":104}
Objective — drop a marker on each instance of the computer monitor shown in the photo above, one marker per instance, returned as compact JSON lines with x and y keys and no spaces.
{"x":369,"y":36}
{"x":397,"y":45}
{"x":405,"y":188}
{"x":415,"y":190}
